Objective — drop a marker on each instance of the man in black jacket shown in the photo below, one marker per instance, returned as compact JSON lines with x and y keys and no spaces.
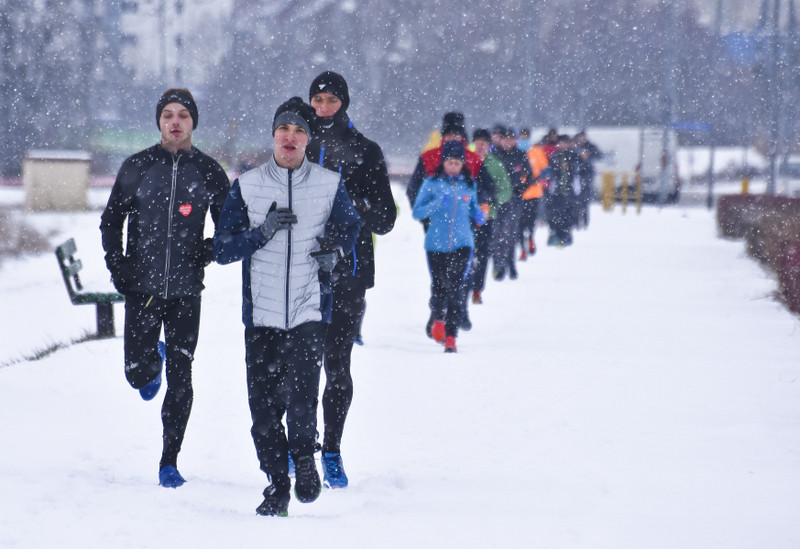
{"x":339,"y":146}
{"x":164,"y":192}
{"x":506,"y":226}
{"x":564,"y":187}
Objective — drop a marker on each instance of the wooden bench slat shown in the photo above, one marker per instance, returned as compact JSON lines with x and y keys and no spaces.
{"x":67,"y":249}
{"x":93,"y":297}
{"x":70,"y":267}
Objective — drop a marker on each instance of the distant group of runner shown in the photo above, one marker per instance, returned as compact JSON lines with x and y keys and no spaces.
{"x":480,"y":200}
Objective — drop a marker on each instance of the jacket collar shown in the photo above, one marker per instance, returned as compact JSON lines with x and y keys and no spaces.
{"x":453,"y":179}
{"x":282,"y":174}
{"x":334,"y":127}
{"x":181,"y":153}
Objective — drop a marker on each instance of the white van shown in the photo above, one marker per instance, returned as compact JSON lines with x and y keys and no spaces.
{"x":628,"y":151}
{"x":789,"y":176}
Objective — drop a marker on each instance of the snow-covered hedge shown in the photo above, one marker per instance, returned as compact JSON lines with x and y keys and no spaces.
{"x":770,"y":226}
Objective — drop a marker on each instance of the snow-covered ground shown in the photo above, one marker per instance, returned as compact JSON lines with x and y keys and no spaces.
{"x":637,"y":390}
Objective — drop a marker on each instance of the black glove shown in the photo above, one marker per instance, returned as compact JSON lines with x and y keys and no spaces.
{"x":277,"y":219}
{"x":327,"y":256}
{"x":123,"y":277}
{"x":361,"y":205}
{"x":204,"y":254}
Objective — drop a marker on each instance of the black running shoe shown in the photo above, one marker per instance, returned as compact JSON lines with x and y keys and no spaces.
{"x":307,"y":485}
{"x":275,"y":504}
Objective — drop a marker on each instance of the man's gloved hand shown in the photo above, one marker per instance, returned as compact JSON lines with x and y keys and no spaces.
{"x":361,"y":205}
{"x":327,"y":256}
{"x":123,"y":277}
{"x":277,"y":219}
{"x":204,"y":254}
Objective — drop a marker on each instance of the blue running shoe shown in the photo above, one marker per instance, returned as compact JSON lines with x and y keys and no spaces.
{"x":333,"y":470}
{"x":149,"y":391}
{"x":169,"y":477}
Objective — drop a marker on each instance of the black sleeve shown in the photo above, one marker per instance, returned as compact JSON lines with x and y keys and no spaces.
{"x":526,"y":168}
{"x":219,"y":184}
{"x":415,"y":182}
{"x":112,"y":220}
{"x":381,"y":213}
{"x":485,"y":186}
{"x":594,"y":152}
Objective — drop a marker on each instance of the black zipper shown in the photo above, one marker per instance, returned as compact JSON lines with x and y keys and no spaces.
{"x":168,"y":261}
{"x":288,"y":255}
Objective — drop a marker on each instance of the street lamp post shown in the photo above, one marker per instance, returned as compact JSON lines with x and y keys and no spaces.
{"x":671,"y":74}
{"x":774,"y":95}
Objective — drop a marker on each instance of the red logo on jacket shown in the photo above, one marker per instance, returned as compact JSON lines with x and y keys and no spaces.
{"x":185,"y":209}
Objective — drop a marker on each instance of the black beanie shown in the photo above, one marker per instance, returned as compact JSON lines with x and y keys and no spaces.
{"x":508,"y":131}
{"x":332,"y":83}
{"x":481,"y":133}
{"x":453,"y":123}
{"x":294,"y":111}
{"x":452,"y":149}
{"x":182,"y":96}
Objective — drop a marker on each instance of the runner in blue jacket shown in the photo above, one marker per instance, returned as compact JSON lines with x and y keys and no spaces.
{"x":449,"y":201}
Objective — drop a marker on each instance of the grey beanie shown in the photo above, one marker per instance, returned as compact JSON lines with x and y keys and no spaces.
{"x":294,"y":111}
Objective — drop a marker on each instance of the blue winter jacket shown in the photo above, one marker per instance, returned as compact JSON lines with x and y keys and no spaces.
{"x":450,"y":204}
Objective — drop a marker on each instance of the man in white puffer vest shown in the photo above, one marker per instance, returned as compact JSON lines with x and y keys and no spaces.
{"x":288,"y":221}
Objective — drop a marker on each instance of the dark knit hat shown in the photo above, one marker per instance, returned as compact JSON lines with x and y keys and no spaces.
{"x":481,"y":133}
{"x":294,"y":111}
{"x":176,"y":95}
{"x":453,"y":149}
{"x":332,"y":83}
{"x":453,"y":123}
{"x":508,"y":131}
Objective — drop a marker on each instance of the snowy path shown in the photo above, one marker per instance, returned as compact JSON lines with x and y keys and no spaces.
{"x":638,"y":390}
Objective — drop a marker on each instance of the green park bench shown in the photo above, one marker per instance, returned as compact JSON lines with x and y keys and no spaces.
{"x":103,"y":301}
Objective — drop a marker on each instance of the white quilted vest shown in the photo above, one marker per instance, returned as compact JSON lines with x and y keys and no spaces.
{"x":284,"y":285}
